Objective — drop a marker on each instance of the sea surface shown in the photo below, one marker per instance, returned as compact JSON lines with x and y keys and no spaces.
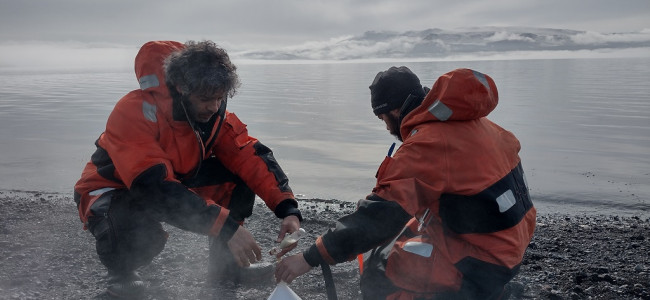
{"x":584,"y":126}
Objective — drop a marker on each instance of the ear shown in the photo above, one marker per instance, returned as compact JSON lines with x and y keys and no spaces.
{"x":394,"y":113}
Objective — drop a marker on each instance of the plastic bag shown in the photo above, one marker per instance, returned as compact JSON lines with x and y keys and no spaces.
{"x":288,"y":240}
{"x":283,"y":292}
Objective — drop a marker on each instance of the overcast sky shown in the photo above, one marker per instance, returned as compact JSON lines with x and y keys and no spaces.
{"x":245,"y":24}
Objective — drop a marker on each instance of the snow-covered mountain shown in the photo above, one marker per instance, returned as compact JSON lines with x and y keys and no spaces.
{"x":439,"y":43}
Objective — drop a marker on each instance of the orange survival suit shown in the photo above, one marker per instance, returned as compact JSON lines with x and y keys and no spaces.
{"x":450,"y":211}
{"x":150,"y":149}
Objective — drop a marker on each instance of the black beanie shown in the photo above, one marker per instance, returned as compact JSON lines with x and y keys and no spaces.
{"x":390,"y":89}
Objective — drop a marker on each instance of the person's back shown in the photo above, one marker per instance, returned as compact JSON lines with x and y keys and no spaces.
{"x":459,"y":175}
{"x":450,"y":216}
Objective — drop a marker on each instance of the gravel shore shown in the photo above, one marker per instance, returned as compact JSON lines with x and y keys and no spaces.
{"x":45,"y":254}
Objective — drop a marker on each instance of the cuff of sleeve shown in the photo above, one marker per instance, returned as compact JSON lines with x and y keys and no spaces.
{"x":288,"y":207}
{"x":312,"y":256}
{"x":224,"y":225}
{"x":229,"y":228}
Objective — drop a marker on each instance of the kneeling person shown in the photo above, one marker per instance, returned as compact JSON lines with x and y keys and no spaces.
{"x":450,"y":216}
{"x":172,"y":153}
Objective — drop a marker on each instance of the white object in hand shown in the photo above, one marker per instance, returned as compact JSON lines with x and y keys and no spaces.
{"x":283,"y":292}
{"x":288,"y":240}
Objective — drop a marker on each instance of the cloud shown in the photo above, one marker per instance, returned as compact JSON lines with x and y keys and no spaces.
{"x":346,"y":48}
{"x":244,"y":23}
{"x":508,"y":36}
{"x":438,"y":43}
{"x":65,"y":55}
{"x":591,"y":37}
{"x":482,"y":43}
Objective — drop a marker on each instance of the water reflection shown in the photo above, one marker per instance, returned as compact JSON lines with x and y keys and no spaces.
{"x":584,"y":125}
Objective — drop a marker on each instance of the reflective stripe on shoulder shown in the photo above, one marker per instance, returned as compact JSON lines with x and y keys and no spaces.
{"x":441,"y":111}
{"x":418,"y":248}
{"x":148,"y":81}
{"x":149,"y":111}
{"x":481,"y":78}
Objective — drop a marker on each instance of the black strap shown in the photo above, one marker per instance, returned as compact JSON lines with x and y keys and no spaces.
{"x":329,"y":282}
{"x":222,"y":115}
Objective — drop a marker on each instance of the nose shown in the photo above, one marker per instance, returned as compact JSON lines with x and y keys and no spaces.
{"x":214,"y":105}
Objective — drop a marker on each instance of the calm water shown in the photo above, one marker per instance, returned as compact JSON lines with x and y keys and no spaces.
{"x":584,"y":125}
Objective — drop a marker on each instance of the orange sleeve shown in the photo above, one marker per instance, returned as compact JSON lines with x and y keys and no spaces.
{"x":241,"y":154}
{"x":413,"y":177}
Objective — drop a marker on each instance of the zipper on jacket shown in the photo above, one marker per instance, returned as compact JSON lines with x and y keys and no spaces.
{"x":202,"y":146}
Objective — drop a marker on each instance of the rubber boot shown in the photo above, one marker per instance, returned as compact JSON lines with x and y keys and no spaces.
{"x":221,"y":263}
{"x":125,"y":285}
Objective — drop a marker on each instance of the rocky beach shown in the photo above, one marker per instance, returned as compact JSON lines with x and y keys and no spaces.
{"x":45,"y":254}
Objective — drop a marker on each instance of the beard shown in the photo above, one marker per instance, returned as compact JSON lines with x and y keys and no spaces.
{"x":393,"y":126}
{"x":182,"y":107}
{"x":189,"y":108}
{"x":192,"y":112}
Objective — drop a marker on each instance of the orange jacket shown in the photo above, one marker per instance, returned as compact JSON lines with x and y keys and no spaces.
{"x":460,"y":175}
{"x":147,"y":144}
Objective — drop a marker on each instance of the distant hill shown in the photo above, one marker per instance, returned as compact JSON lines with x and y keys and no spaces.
{"x":439,"y":43}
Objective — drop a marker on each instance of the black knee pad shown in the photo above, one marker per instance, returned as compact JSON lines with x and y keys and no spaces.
{"x":126,"y":238}
{"x":104,"y":241}
{"x":242,"y":202}
{"x":142,"y":243}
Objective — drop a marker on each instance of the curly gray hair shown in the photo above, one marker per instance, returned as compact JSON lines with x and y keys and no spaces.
{"x":201,"y":68}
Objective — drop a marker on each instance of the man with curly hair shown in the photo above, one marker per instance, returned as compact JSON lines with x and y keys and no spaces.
{"x":172,"y":153}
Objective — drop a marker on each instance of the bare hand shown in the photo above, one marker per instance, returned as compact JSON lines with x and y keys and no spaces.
{"x":289,"y":225}
{"x":291,"y":267}
{"x":244,"y":248}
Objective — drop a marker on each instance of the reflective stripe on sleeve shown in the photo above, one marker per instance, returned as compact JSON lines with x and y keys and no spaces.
{"x":100,"y":191}
{"x":149,"y":111}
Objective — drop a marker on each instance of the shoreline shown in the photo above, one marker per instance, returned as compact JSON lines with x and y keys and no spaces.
{"x":546,"y":203}
{"x":44,"y":253}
